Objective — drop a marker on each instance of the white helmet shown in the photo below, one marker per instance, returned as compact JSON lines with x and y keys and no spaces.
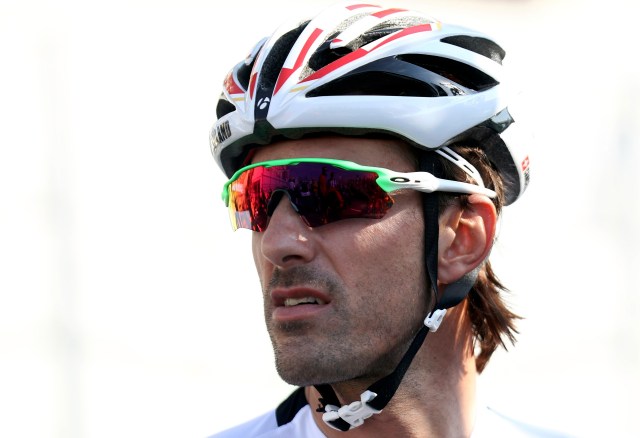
{"x":359,"y":69}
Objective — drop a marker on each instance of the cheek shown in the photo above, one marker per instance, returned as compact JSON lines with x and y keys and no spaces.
{"x":396,"y":240}
{"x":256,"y":240}
{"x":388,"y":257}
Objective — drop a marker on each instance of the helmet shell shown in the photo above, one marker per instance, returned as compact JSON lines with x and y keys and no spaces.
{"x":358,"y":69}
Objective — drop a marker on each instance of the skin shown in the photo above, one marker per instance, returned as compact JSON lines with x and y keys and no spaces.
{"x":370,"y":275}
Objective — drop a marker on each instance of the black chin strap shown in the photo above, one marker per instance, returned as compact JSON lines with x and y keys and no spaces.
{"x":378,"y":395}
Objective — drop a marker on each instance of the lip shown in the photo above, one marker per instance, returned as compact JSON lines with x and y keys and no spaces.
{"x":301,"y":311}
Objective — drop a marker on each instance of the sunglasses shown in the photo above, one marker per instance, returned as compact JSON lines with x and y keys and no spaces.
{"x":324,"y":190}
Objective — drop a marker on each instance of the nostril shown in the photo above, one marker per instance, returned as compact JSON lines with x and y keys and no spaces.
{"x":290,"y":258}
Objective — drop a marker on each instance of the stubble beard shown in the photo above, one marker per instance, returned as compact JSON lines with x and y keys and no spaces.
{"x":305,"y":353}
{"x":308,"y":354}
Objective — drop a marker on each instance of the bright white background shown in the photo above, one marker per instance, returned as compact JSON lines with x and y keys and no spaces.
{"x":127,"y":306}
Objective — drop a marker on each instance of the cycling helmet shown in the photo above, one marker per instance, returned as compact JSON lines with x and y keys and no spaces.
{"x":359,"y":69}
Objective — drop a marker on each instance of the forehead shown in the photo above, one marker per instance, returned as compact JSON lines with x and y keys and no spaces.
{"x":380,"y":152}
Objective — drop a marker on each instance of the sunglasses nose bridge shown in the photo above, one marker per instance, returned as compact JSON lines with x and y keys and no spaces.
{"x":275,"y":199}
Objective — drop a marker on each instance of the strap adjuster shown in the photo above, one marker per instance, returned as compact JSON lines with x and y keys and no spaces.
{"x":354,"y":413}
{"x":434,"y":319}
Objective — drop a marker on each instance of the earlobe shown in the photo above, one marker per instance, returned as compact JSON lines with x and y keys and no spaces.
{"x":465,"y":238}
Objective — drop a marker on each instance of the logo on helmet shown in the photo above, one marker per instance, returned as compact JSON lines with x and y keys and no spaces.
{"x":223,"y":132}
{"x":263,"y":103}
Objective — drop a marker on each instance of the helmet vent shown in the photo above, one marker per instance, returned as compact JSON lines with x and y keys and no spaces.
{"x":277,"y":56}
{"x":243,"y":73}
{"x":481,"y":46}
{"x":324,"y":55}
{"x":224,"y":107}
{"x":455,"y":71}
{"x":377,"y":83}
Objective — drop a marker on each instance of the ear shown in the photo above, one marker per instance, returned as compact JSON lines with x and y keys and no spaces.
{"x":465,"y":237}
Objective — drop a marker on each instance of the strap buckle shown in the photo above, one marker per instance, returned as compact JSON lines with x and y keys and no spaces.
{"x":354,"y":413}
{"x":434,"y":319}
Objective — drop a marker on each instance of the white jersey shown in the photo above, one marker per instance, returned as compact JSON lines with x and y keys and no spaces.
{"x":293,"y":419}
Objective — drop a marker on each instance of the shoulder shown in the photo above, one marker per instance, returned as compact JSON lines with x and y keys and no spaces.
{"x":292,"y":418}
{"x":490,"y":423}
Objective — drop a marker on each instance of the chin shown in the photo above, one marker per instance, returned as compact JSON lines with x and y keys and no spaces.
{"x":305,"y":369}
{"x":299,"y":376}
{"x":301,"y":372}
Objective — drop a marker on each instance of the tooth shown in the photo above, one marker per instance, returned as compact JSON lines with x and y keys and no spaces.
{"x":305,"y":300}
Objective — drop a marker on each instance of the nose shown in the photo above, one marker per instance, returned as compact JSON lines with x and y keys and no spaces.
{"x":287,"y":240}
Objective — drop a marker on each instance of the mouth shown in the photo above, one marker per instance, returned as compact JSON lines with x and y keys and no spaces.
{"x":298,"y":304}
{"x":290,"y":302}
{"x":296,"y":296}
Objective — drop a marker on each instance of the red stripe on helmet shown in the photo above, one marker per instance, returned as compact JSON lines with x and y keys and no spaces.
{"x":361,"y":5}
{"x":405,"y":32}
{"x":336,"y":64}
{"x":286,"y":73}
{"x":386,"y":12}
{"x":362,"y":52}
{"x":231,"y":85}
{"x":252,"y":84}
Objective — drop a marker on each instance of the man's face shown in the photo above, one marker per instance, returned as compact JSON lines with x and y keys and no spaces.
{"x":342,"y":301}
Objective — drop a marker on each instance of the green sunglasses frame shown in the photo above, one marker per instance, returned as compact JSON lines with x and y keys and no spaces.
{"x":388,"y":180}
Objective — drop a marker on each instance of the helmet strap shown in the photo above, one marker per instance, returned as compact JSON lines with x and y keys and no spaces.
{"x":378,"y":395}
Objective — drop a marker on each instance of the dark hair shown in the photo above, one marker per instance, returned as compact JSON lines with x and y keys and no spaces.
{"x":493,"y":323}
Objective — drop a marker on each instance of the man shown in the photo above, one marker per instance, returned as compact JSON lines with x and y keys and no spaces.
{"x":410,"y":115}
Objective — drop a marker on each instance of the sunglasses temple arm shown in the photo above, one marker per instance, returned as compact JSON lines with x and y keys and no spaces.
{"x":462,"y":187}
{"x":426,"y":182}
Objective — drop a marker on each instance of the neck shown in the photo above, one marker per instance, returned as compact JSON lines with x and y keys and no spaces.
{"x":436,"y":397}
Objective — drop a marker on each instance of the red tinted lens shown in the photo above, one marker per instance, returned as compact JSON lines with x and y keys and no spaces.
{"x":320,"y":193}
